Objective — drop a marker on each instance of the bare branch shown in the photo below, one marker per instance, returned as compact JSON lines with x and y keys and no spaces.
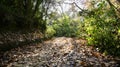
{"x":111,"y":5}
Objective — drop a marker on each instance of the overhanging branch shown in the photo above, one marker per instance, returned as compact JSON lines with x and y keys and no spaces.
{"x":111,"y":5}
{"x":82,"y":10}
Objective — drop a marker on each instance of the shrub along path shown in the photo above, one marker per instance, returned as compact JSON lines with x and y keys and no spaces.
{"x":57,"y":52}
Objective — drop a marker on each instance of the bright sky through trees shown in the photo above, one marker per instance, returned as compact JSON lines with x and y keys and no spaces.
{"x":68,"y":6}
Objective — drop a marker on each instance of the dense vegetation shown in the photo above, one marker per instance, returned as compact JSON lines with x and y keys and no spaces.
{"x":18,"y":15}
{"x":102,"y":28}
{"x":100,"y":25}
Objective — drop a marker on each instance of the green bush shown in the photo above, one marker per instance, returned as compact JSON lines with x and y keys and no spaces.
{"x":103,"y":30}
{"x":65,"y":27}
{"x":49,"y":32}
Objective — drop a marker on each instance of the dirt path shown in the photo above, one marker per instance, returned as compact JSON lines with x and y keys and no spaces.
{"x":57,"y":52}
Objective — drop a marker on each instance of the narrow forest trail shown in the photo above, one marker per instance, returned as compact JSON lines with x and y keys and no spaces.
{"x":57,"y":52}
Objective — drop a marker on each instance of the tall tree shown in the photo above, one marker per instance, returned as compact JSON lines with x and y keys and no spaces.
{"x":26,"y":14}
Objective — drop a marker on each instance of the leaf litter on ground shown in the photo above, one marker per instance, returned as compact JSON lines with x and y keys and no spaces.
{"x":57,"y":52}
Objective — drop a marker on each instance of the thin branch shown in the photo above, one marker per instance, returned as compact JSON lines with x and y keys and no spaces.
{"x":112,"y":5}
{"x":80,"y":8}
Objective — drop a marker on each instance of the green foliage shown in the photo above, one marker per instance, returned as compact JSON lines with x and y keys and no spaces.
{"x":101,"y":25}
{"x":81,"y":31}
{"x":102,"y":28}
{"x":65,"y":27}
{"x":49,"y":32}
{"x":19,"y":15}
